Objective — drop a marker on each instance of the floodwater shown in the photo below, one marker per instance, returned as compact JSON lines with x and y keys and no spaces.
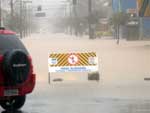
{"x":122,"y":69}
{"x":90,"y":97}
{"x":124,"y":64}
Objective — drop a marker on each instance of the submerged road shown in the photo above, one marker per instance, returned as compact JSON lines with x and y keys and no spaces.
{"x":90,"y":97}
{"x":122,"y":88}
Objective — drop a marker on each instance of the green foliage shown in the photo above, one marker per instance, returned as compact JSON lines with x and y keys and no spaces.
{"x":103,"y":33}
{"x":119,"y":18}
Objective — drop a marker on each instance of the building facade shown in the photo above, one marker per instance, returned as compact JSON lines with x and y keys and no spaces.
{"x":130,"y":6}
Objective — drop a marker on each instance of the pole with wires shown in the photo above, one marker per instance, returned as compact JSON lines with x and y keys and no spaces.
{"x":118,"y":25}
{"x":12,"y":13}
{"x":90,"y":11}
{"x":0,"y":13}
{"x":90,"y":20}
{"x":21,"y":29}
{"x":70,"y":11}
{"x":12,"y":9}
{"x":75,"y":16}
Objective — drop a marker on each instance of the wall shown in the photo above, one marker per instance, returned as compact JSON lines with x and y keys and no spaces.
{"x":127,"y":4}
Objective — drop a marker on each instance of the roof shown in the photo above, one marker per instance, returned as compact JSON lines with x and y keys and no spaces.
{"x":7,"y":32}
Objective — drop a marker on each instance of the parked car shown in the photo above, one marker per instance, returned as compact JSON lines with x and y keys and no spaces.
{"x":16,"y":71}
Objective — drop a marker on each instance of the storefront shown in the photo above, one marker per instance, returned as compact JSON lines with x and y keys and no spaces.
{"x":130,"y":7}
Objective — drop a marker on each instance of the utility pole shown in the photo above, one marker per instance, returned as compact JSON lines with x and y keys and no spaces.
{"x":27,"y":17}
{"x":24,"y":19}
{"x":12,"y":12}
{"x":21,"y":30}
{"x":89,"y":19}
{"x":30,"y":20}
{"x":0,"y":13}
{"x":75,"y":16}
{"x":118,"y":26}
{"x":12,"y":8}
{"x":70,"y":11}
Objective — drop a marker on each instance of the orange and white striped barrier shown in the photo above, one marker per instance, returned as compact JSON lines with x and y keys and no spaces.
{"x":73,"y":62}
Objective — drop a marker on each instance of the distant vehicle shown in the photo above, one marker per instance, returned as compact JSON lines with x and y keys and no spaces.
{"x":16,"y":71}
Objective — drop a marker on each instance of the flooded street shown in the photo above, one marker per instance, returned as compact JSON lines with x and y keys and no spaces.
{"x":122,"y":69}
{"x":89,"y":97}
{"x":67,"y":44}
{"x":123,"y":64}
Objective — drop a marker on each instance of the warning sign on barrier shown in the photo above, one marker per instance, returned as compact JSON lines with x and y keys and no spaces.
{"x":73,"y":62}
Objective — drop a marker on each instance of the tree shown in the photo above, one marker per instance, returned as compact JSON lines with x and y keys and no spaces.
{"x":17,"y":20}
{"x":118,"y":19}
